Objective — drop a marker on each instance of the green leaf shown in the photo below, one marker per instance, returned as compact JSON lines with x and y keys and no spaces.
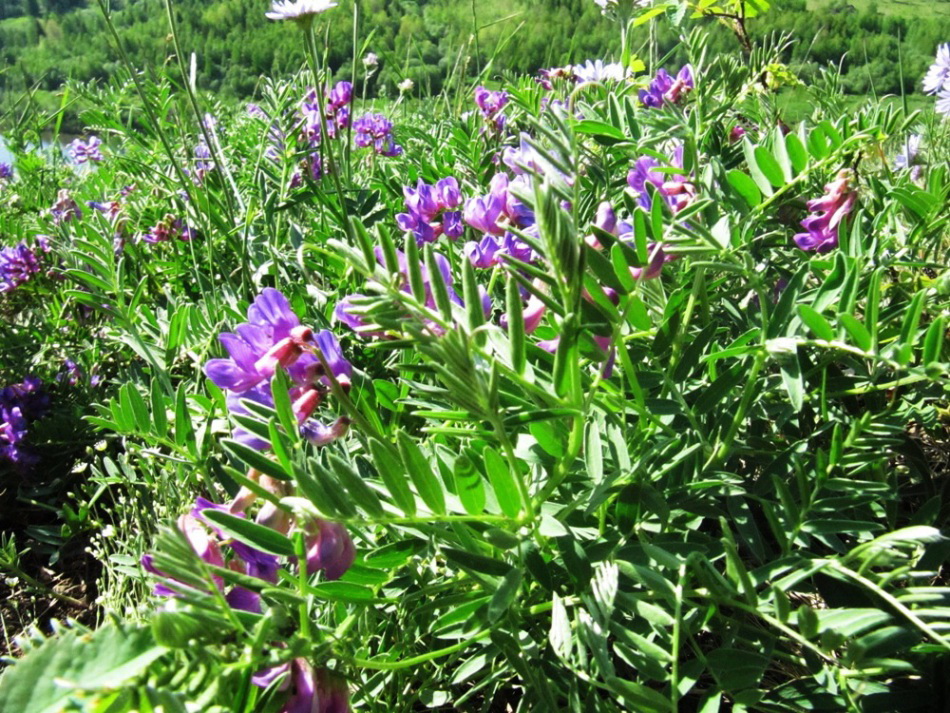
{"x":46,"y":678}
{"x":469,"y":485}
{"x":342,"y":592}
{"x":736,"y":669}
{"x":429,"y":487}
{"x":769,"y":166}
{"x":394,"y":476}
{"x":858,"y":332}
{"x":362,"y":494}
{"x":796,"y":152}
{"x":745,"y":187}
{"x":761,"y":180}
{"x":933,"y":342}
{"x":608,"y":133}
{"x":159,"y":417}
{"x":255,"y":459}
{"x":505,"y":594}
{"x":250,"y":533}
{"x":503,"y":482}
{"x":816,"y":323}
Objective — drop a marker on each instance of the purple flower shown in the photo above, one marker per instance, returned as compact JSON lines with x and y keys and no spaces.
{"x":432,"y":210}
{"x":6,"y":171}
{"x":376,"y":130}
{"x":18,"y":264}
{"x":665,"y":88}
{"x":20,"y":405}
{"x":828,"y":212}
{"x":273,"y":338}
{"x":84,"y":151}
{"x":490,"y":104}
{"x":938,"y":75}
{"x":255,"y":112}
{"x":65,"y":208}
{"x":70,"y":373}
{"x":310,"y":691}
{"x":606,"y":220}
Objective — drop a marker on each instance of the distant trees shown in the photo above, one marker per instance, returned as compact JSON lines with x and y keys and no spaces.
{"x":425,"y":40}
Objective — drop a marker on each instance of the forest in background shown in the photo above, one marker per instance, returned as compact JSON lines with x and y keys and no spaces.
{"x":43,"y":43}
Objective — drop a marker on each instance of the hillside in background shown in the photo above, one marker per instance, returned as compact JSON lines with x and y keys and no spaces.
{"x":882,"y":48}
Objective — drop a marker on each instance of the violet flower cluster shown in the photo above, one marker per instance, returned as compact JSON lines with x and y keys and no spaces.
{"x":494,"y":214}
{"x":20,"y":405}
{"x":329,"y":549}
{"x":85,"y":151}
{"x":827,"y":215}
{"x":350,"y":312}
{"x":273,"y":339}
{"x":490,"y":105}
{"x":6,"y":171}
{"x":666,"y":89}
{"x":18,"y":264}
{"x":432,"y":211}
{"x":377,"y":131}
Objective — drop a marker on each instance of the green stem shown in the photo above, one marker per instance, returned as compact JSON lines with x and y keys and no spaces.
{"x":722,"y":452}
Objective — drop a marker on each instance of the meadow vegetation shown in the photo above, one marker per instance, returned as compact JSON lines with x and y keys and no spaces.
{"x":617,"y":385}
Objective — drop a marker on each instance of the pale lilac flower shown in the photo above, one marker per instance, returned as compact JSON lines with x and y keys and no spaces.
{"x":599,"y":71}
{"x":938,"y":75}
{"x":298,"y":10}
{"x":255,"y":112}
{"x":943,"y":102}
{"x":370,"y":61}
{"x":906,"y":159}
{"x":84,"y":151}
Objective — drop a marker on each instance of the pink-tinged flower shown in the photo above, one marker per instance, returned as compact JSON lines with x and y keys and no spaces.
{"x":84,"y":151}
{"x":168,"y":228}
{"x":736,"y":133}
{"x":676,"y":189}
{"x":607,"y":221}
{"x":665,"y":88}
{"x":65,"y":208}
{"x":204,"y":546}
{"x":311,"y":691}
{"x":547,"y":77}
{"x":499,"y":210}
{"x":329,"y":548}
{"x":298,"y":10}
{"x":828,"y":213}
